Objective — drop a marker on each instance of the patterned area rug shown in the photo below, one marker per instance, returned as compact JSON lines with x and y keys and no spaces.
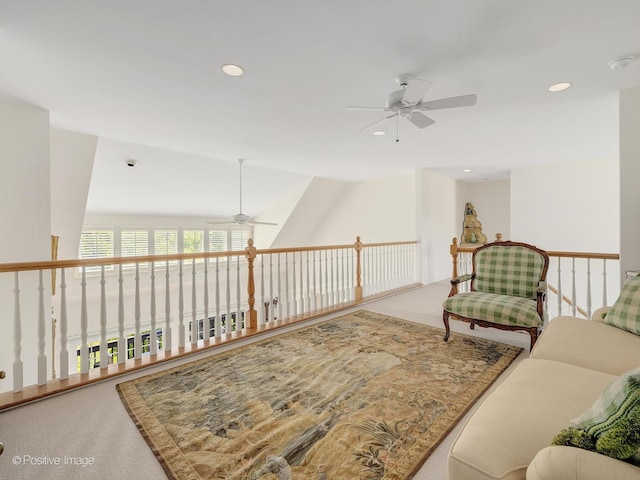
{"x":363,"y":396}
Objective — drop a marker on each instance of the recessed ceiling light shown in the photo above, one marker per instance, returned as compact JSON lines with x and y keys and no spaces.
{"x":466,"y":170}
{"x":233,"y":70}
{"x":558,"y":87}
{"x":130,"y":162}
{"x":377,"y":133}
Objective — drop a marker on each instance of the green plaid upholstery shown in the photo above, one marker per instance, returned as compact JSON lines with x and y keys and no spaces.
{"x":625,"y":313}
{"x":508,"y":270}
{"x":616,"y":402}
{"x":495,"y":308}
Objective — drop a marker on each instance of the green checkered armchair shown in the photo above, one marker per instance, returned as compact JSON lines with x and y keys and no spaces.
{"x":508,"y":286}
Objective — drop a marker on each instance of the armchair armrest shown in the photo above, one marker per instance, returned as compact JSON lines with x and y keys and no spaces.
{"x":462,"y":278}
{"x":542,"y":287}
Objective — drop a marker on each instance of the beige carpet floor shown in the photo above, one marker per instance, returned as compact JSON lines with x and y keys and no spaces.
{"x":87,"y":434}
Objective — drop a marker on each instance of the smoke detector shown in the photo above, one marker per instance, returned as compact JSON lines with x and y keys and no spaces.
{"x":620,"y":63}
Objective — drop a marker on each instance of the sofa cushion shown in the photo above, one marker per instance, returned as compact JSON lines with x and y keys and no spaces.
{"x":501,"y":309}
{"x":625,"y":313}
{"x":521,"y":417}
{"x":611,"y":426}
{"x":590,"y":344}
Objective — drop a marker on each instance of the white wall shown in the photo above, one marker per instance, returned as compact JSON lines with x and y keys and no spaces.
{"x":629,"y":180}
{"x":572,"y":206}
{"x":380,"y":210}
{"x":26,"y":224}
{"x":72,"y":156}
{"x":437,"y":224}
{"x":492,"y":201}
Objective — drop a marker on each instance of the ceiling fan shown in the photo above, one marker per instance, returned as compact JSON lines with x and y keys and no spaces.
{"x":408,"y":102}
{"x":240,"y":218}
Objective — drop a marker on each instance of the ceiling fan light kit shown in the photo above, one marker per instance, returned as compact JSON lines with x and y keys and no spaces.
{"x":408,"y":102}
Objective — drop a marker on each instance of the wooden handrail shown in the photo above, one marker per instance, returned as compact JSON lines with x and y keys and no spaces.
{"x":568,"y":301}
{"x":93,"y":262}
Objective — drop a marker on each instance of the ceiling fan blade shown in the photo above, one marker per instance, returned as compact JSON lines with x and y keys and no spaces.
{"x":224,"y":222}
{"x":415,"y":90}
{"x":261,"y":223}
{"x":378,"y":121}
{"x":420,"y":120}
{"x":368,"y":109}
{"x":451,"y":102}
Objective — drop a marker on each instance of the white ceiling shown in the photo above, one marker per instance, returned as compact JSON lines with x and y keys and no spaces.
{"x":145,"y":77}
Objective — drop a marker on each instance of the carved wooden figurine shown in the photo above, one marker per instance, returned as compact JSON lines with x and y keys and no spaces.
{"x":471,"y":227}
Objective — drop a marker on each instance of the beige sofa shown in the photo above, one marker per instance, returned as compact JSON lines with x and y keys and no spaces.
{"x":509,"y":435}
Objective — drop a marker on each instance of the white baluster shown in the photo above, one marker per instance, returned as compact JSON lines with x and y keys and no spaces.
{"x":286,"y":283}
{"x":308,"y":285}
{"x":181,"y":327}
{"x":195,"y":328}
{"x":315,"y":292}
{"x":122,"y":341}
{"x":228,"y":323}
{"x":559,"y":287}
{"x":42,"y":340}
{"x":84,"y":347}
{"x":332,"y":299}
{"x":18,"y":374}
{"x":573,"y":286}
{"x":166,"y":335}
{"x":588,"y":287}
{"x":272,"y":307}
{"x":343,"y":288}
{"x":604,"y":282}
{"x":239,"y":322}
{"x":104,"y":346}
{"x":137,"y":341}
{"x":279,"y":289}
{"x":295,"y":293}
{"x":205,"y":323}
{"x":218,"y":316}
{"x":64,"y":349}
{"x":263,"y":317}
{"x":303,"y":305}
{"x":325,"y":295}
{"x":153,"y":337}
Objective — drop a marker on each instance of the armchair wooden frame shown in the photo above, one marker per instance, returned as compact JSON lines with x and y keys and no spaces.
{"x":540,"y":295}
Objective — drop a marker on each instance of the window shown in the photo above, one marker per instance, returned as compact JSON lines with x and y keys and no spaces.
{"x":133,"y":243}
{"x":165,"y":242}
{"x":193,"y":242}
{"x":98,"y":243}
{"x":239,"y":238}
{"x":218,"y":240}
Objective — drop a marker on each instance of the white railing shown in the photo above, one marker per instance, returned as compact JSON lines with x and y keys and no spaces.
{"x":578,"y":282}
{"x":120,"y":313}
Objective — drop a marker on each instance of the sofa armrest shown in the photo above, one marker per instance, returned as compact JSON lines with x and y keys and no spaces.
{"x":598,"y":314}
{"x":570,"y":463}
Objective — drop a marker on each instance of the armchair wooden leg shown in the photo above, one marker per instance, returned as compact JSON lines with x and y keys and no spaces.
{"x":534,"y":337}
{"x":445,"y":319}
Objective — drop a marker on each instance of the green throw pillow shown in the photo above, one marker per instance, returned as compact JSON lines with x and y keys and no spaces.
{"x":611,"y":426}
{"x":625,"y":313}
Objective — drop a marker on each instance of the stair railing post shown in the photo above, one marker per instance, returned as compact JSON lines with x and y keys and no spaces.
{"x":251,"y":285}
{"x":453,"y":250}
{"x":358,"y":289}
